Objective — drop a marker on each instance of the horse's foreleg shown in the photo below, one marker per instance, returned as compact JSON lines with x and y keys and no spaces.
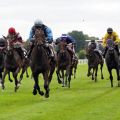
{"x":46,"y":84}
{"x":111,"y":77}
{"x":27,"y":75}
{"x":63,"y":80}
{"x":101,"y":67}
{"x":68,"y":75}
{"x":16,"y":81}
{"x":0,"y":78}
{"x":52,"y":69}
{"x":3,"y":79}
{"x":36,"y":85}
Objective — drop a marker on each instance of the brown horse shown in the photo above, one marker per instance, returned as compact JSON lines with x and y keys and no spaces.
{"x":40,"y":63}
{"x":74,"y":66}
{"x":64,"y":64}
{"x":93,"y":61}
{"x":12,"y":63}
{"x":2,"y":56}
{"x":112,"y":61}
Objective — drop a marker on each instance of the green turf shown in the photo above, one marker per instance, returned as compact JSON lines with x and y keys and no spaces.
{"x":85,"y":100}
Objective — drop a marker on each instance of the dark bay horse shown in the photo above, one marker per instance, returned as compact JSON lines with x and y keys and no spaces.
{"x":64,"y":64}
{"x":12,"y":63}
{"x":2,"y":56}
{"x":112,"y":61}
{"x":40,"y":63}
{"x":74,"y":66}
{"x":93,"y":61}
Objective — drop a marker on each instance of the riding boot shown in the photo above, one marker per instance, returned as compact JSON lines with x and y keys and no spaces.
{"x":117,"y":49}
{"x":49,"y":52}
{"x":30,"y":51}
{"x":20,"y":52}
{"x":99,"y":55}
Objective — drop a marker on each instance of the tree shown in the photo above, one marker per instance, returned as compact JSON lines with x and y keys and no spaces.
{"x":82,"y":54}
{"x":80,"y":38}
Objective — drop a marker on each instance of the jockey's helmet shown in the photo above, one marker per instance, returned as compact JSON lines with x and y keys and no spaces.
{"x":109,"y":30}
{"x":11,"y":30}
{"x":92,"y":41}
{"x":38,"y":23}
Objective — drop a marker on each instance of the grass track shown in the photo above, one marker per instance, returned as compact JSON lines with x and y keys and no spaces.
{"x":85,"y":100}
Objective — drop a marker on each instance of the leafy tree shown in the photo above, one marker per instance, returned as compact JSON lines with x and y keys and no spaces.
{"x":82,"y":54}
{"x":80,"y":38}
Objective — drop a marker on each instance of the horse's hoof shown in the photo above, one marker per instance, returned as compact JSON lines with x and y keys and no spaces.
{"x":27,"y":76}
{"x":59,"y":81}
{"x":3,"y":87}
{"x":16,"y":89}
{"x":41,"y":93}
{"x":34,"y":92}
{"x":11,"y":80}
{"x":46,"y":95}
{"x":102,"y":78}
{"x":18,"y":85}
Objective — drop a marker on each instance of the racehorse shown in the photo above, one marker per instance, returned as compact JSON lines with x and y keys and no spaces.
{"x":40,"y":63}
{"x":93,"y":61}
{"x":112,"y":61}
{"x":64,"y":64}
{"x":2,"y":56}
{"x":74,"y":66}
{"x":12,"y":63}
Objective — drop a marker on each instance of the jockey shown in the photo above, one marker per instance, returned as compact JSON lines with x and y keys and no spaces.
{"x":70,"y":43}
{"x":48,"y":34}
{"x":96,"y":47}
{"x":15,"y":37}
{"x":110,"y":35}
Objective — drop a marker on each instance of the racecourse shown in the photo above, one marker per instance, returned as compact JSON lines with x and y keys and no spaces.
{"x":85,"y":100}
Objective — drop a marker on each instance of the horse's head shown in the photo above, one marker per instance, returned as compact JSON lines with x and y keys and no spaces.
{"x":9,"y":47}
{"x":62,"y":45}
{"x":90,"y":50}
{"x":111,"y":46}
{"x":3,"y":45}
{"x":39,"y":36}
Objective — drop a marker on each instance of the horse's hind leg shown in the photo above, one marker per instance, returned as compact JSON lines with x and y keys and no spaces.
{"x":101,"y":67}
{"x":9,"y":78}
{"x":58,"y":76}
{"x":111,"y":77}
{"x":93,"y":74}
{"x":16,"y":81}
{"x":118,"y":77}
{"x":46,"y":84}
{"x":69,"y":78}
{"x":52,"y":69}
{"x":21,"y":75}
{"x":27,"y":75}
{"x":0,"y":78}
{"x":89,"y":71}
{"x":96,"y":73}
{"x":36,"y":86}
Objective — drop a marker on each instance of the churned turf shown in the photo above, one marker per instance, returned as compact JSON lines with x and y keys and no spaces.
{"x":85,"y":100}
